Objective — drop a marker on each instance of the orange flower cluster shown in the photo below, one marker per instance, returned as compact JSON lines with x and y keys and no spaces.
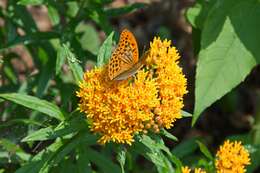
{"x":188,"y":170}
{"x":232,"y":157}
{"x":151,"y":100}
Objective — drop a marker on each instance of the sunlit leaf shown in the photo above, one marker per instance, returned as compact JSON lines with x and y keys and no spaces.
{"x":34,"y":103}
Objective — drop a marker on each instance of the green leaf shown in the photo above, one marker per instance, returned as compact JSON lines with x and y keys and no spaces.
{"x":205,"y":150}
{"x":64,"y":128}
{"x":114,"y":12}
{"x":105,"y":50}
{"x":30,"y":2}
{"x":185,"y":148}
{"x":152,"y":150}
{"x":90,"y":38}
{"x":73,"y":8}
{"x":197,"y":14}
{"x":185,"y":114}
{"x":22,"y":121}
{"x":83,"y":162}
{"x":54,"y":15}
{"x":228,"y":50}
{"x":14,"y":149}
{"x":74,"y":64}
{"x":35,"y":104}
{"x":169,"y":135}
{"x":98,"y":15}
{"x":102,"y":162}
{"x":61,"y":56}
{"x":121,"y":156}
{"x":56,"y":152}
{"x":30,"y":38}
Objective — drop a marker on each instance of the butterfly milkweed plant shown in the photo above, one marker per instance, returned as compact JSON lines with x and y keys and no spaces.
{"x":149,"y":101}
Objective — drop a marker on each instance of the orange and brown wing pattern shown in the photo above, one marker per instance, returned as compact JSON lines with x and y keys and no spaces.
{"x":125,"y":56}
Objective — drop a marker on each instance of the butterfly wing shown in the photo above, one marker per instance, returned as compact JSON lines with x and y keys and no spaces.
{"x":134,"y":69}
{"x":125,"y":56}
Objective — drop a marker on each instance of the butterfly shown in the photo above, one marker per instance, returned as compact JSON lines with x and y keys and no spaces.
{"x":125,"y":59}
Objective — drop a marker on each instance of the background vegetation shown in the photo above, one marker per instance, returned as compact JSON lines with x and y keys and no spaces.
{"x":45,"y":46}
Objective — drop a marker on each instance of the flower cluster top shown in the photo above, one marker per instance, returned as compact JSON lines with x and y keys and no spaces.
{"x":152,"y":99}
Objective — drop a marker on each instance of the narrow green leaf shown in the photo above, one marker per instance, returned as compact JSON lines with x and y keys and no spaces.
{"x":228,"y":50}
{"x":121,"y":156}
{"x":39,"y":135}
{"x":35,"y":104}
{"x":83,"y":162}
{"x":61,"y":56}
{"x":74,"y":64}
{"x":64,"y":128}
{"x":102,"y":162}
{"x":105,"y":50}
{"x":185,"y":148}
{"x":21,"y":121}
{"x":30,"y":2}
{"x":14,"y":149}
{"x":151,"y":149}
{"x":47,"y":55}
{"x":30,"y":38}
{"x":205,"y":150}
{"x":124,"y":10}
{"x":169,"y":135}
{"x":185,"y":114}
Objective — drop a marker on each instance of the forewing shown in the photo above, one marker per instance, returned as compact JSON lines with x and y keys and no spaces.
{"x":125,"y":55}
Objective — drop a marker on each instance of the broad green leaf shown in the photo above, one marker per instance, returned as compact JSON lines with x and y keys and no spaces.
{"x":35,"y":104}
{"x":205,"y":150}
{"x":54,"y":15}
{"x":30,"y":2}
{"x":74,"y":64}
{"x":169,"y":135}
{"x":105,"y":50}
{"x":61,"y":56}
{"x":228,"y":50}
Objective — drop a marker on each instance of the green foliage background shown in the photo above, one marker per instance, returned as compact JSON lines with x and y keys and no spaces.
{"x":54,"y":137}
